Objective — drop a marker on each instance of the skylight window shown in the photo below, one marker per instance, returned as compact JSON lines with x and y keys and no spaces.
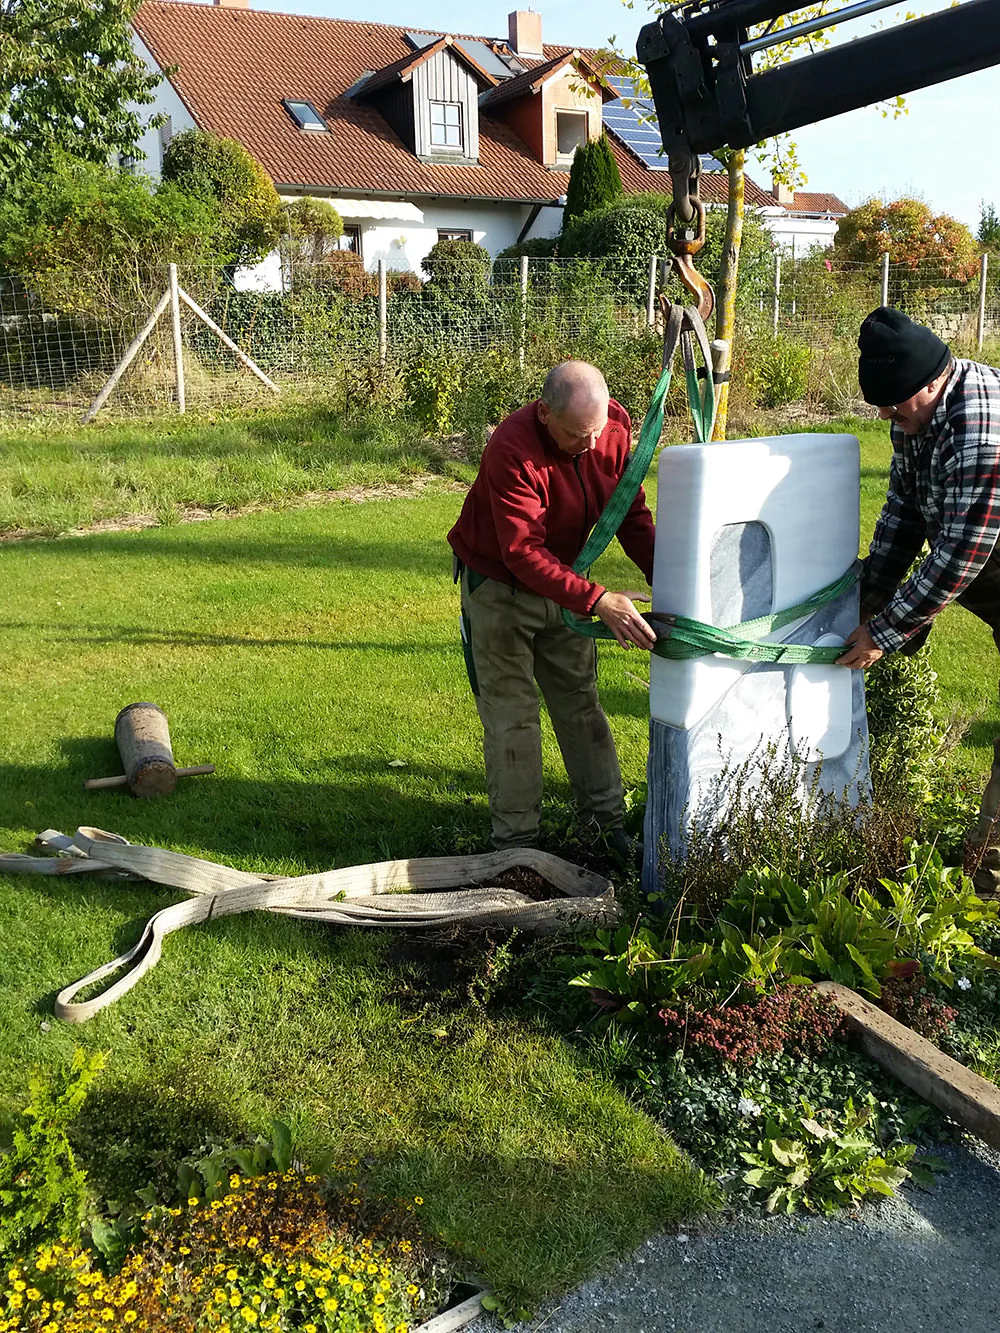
{"x":305,"y":115}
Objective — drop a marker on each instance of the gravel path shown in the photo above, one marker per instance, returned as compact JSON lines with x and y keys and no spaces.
{"x":920,"y":1263}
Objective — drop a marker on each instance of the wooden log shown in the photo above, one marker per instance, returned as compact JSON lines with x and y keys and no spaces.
{"x":971,"y":1100}
{"x":143,"y":738}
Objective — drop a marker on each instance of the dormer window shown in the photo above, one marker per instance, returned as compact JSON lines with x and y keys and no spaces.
{"x":305,"y":116}
{"x":446,"y":126}
{"x":571,"y":132}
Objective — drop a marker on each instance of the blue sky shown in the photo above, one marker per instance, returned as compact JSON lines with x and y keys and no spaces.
{"x":941,"y":151}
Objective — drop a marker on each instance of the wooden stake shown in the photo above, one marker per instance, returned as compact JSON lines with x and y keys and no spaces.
{"x":225,"y":339}
{"x":175,"y":311}
{"x":127,"y":359}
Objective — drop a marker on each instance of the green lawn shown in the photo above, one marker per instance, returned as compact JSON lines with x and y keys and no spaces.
{"x":306,"y":653}
{"x":54,"y":477}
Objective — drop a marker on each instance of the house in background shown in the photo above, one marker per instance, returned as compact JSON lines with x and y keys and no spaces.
{"x":803,"y":219}
{"x":412,"y":136}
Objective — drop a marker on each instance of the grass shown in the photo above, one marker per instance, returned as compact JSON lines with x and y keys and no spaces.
{"x":306,"y":653}
{"x":312,"y":655}
{"x":60,"y":477}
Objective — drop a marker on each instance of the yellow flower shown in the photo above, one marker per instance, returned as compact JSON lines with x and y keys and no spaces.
{"x":235,"y":1299}
{"x":269,"y":1282}
{"x":331,"y":1305}
{"x":234,"y":1181}
{"x":310,"y":1328}
{"x":357,"y":1286}
{"x":343,"y":1279}
{"x":130,"y":1316}
{"x":193,"y":1202}
{"x":232,"y":1275}
{"x":249,"y":1315}
{"x":320,"y":1292}
{"x":380,"y":1299}
{"x":300,"y":1285}
{"x":417,"y":1200}
{"x":411,"y":1290}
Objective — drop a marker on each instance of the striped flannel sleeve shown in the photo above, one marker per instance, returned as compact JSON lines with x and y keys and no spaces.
{"x":969,"y":462}
{"x":899,"y":535}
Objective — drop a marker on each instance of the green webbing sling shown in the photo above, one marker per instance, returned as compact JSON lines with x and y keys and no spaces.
{"x":679,"y":637}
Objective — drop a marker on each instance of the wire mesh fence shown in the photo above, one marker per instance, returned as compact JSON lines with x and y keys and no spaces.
{"x":340,"y":332}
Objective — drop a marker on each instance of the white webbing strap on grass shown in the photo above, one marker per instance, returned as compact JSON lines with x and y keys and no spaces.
{"x":400,"y":894}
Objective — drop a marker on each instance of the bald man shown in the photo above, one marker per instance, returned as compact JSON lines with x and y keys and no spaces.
{"x":546,"y":475}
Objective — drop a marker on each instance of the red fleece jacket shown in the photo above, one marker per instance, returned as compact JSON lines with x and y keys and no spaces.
{"x":532,"y":506}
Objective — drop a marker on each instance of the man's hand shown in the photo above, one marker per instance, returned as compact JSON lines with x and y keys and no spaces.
{"x":618,"y":612}
{"x":862,"y":650}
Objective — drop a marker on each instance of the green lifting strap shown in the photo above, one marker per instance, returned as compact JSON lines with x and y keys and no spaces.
{"x":679,"y":637}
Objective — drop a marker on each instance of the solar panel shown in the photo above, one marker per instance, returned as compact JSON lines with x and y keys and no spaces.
{"x":635,"y":125}
{"x":486,"y":59}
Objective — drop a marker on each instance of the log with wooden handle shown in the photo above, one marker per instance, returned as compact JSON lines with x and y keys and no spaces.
{"x":93,"y":784}
{"x":143,"y":738}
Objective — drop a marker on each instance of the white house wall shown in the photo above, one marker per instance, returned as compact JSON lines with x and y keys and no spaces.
{"x":167,"y":101}
{"x":405,"y":245}
{"x":800,"y":234}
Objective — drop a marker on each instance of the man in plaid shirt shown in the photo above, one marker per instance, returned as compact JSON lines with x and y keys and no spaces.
{"x":944,"y":488}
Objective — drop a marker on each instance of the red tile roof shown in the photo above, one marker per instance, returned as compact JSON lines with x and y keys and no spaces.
{"x":236,"y":65}
{"x":532,"y":79}
{"x":408,"y":63}
{"x":806,"y":201}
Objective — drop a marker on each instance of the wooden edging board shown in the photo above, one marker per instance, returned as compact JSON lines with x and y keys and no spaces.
{"x":969,"y":1099}
{"x":459,"y":1316}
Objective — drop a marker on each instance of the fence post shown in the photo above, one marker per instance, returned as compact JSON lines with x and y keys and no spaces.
{"x":175,"y":312}
{"x":383,"y":314}
{"x":776,"y":293}
{"x":524,"y":311}
{"x":884,"y":281}
{"x":654,"y":262}
{"x":981,"y":323}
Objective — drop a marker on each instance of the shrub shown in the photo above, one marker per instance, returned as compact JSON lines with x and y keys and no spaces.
{"x":458,"y":266}
{"x":594,"y":180}
{"x":538,"y":247}
{"x":221,"y":172}
{"x":903,"y":702}
{"x":624,"y":232}
{"x":94,"y":240}
{"x":43,"y":1193}
{"x":310,"y":227}
{"x":344,"y":271}
{"x":792,"y":1018}
{"x":784,"y":372}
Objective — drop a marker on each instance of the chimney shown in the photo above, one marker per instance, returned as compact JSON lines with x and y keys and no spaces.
{"x":232,"y":4}
{"x":524,"y":31}
{"x":782,"y":192}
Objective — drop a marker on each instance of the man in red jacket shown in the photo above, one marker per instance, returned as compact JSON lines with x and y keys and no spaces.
{"x":546,"y":475}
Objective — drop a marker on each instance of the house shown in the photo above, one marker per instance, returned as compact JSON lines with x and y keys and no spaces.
{"x":803,"y":219}
{"x":413,"y":136}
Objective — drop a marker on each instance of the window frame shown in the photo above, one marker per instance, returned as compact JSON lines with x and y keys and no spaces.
{"x":307,"y":127}
{"x":455,"y":234}
{"x":577,"y":116}
{"x":352,"y":234}
{"x":458,"y":147}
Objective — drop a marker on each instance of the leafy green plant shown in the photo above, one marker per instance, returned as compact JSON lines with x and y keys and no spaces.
{"x":906,"y":736}
{"x":806,"y":1159}
{"x":43,"y":1192}
{"x":594,"y":180}
{"x":224,"y":174}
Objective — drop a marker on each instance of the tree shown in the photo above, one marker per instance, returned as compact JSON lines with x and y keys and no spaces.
{"x":93,"y":240}
{"x":924,"y":249}
{"x":311,"y":227}
{"x":594,"y":180}
{"x":69,"y":82}
{"x":988,"y":233}
{"x":222,"y":173}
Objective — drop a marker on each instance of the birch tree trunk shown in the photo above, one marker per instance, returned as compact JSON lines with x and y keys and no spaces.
{"x":725,"y":317}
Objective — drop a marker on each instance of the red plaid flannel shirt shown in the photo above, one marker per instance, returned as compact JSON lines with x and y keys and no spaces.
{"x":944,"y":488}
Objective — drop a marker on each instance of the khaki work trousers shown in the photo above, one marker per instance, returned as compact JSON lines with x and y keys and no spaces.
{"x":519,"y":639}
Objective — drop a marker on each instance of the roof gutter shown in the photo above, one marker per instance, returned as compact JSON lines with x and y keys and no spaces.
{"x":289,"y":187}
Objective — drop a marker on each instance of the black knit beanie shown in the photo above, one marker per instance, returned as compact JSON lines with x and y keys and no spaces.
{"x":898,"y":358}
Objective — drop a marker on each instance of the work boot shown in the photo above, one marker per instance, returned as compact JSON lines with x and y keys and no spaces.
{"x":982,"y":846}
{"x":625,"y":849}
